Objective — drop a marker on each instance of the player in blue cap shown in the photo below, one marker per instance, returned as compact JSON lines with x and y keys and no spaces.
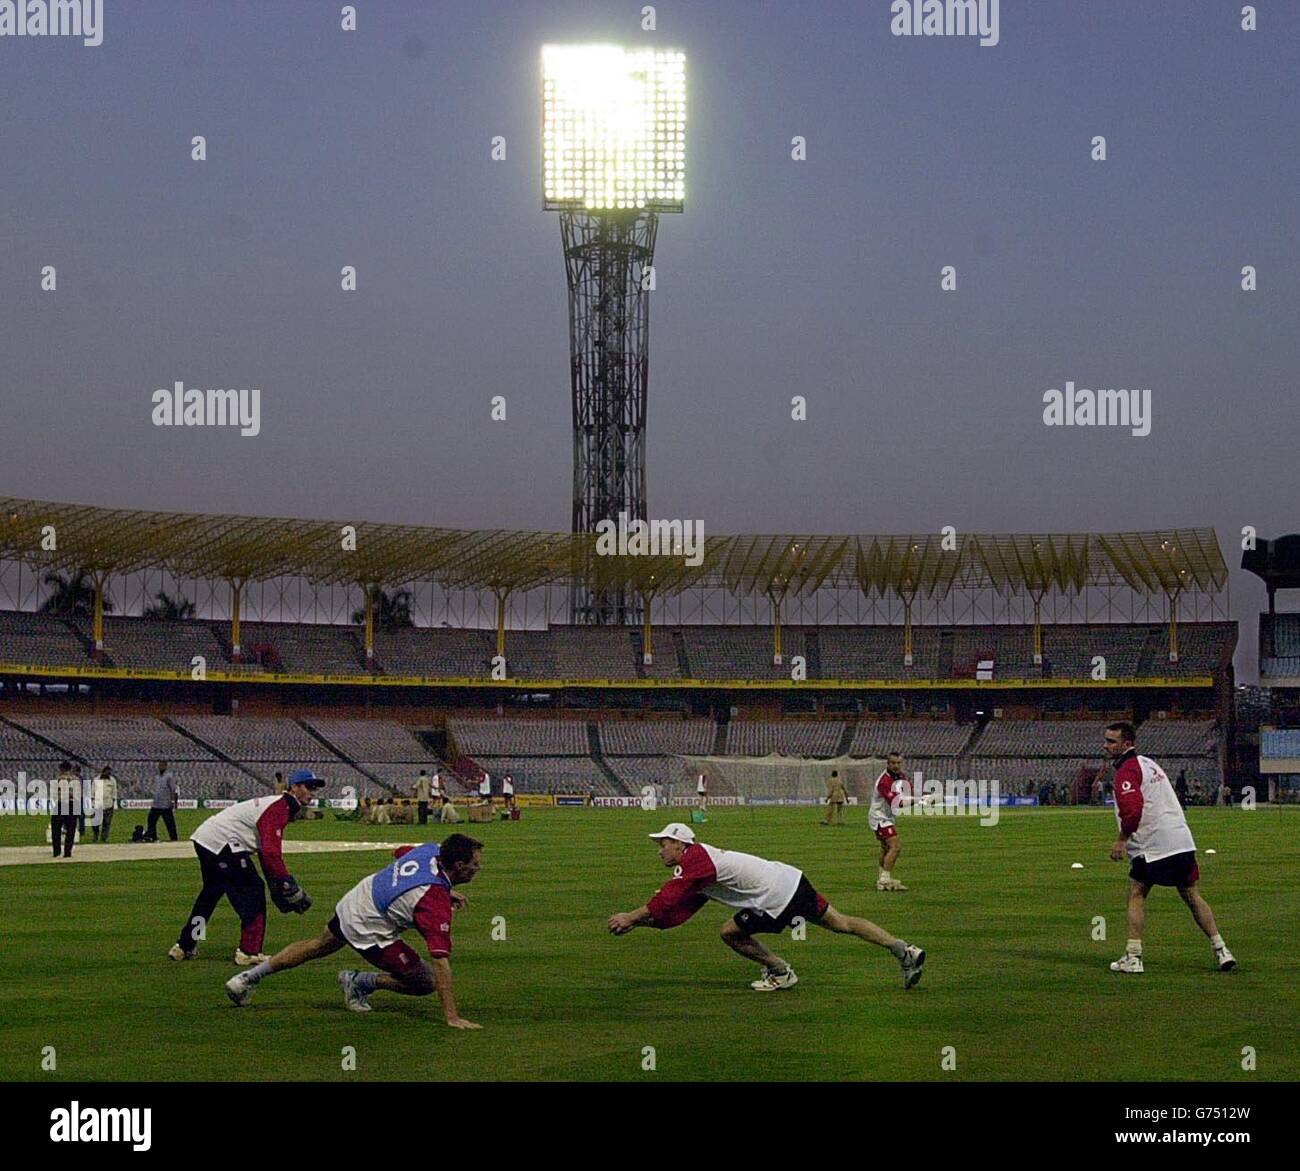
{"x":225,"y":844}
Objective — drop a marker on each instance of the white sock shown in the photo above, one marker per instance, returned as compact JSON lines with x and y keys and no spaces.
{"x":254,"y":974}
{"x":1216,"y":942}
{"x":1134,"y":947}
{"x":884,"y":876}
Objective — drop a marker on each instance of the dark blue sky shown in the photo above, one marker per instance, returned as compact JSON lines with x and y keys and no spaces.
{"x":819,"y":278}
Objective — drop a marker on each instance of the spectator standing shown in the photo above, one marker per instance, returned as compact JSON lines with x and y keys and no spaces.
{"x":105,"y":803}
{"x":485,"y":789}
{"x":65,"y":807}
{"x":165,"y":798}
{"x":421,"y":790}
{"x":508,"y":791}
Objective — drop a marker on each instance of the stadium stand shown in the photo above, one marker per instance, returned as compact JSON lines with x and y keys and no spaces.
{"x":743,"y":652}
{"x":550,"y":774}
{"x":1180,"y":737}
{"x":598,"y":652}
{"x":253,"y":739}
{"x":506,"y":737}
{"x":919,"y":738}
{"x":38,"y":639}
{"x":1035,"y":738}
{"x":435,"y":651}
{"x":112,"y":740}
{"x":656,"y":737}
{"x":309,"y":648}
{"x":159,"y":644}
{"x":790,"y":738}
{"x":1274,"y":743}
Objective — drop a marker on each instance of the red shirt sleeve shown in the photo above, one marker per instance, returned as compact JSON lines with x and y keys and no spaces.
{"x":1128,"y":795}
{"x":432,"y":919}
{"x":680,"y":897}
{"x":885,"y":786}
{"x":270,"y":838}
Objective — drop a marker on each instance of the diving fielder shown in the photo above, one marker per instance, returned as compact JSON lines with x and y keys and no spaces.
{"x":225,"y":844}
{"x":768,"y":897}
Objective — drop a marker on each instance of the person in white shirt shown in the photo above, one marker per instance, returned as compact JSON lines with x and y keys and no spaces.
{"x":1154,"y":836}
{"x":485,"y":788}
{"x":702,"y":790}
{"x":768,"y":897}
{"x":105,"y":803}
{"x":508,"y":791}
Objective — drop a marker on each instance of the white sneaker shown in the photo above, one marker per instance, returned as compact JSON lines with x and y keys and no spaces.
{"x":1225,"y":959}
{"x":239,"y":989}
{"x":889,"y":884}
{"x":355,"y":999}
{"x":912,"y":963}
{"x":1128,"y":963}
{"x":179,"y":953}
{"x":244,"y":960}
{"x":773,"y":980}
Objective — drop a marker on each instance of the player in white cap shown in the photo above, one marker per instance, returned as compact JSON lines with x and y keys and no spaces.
{"x":768,"y":897}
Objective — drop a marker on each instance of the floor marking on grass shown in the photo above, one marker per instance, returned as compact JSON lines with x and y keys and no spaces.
{"x":151,"y":851}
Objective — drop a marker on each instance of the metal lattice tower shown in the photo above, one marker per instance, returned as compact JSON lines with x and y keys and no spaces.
{"x":607,"y":256}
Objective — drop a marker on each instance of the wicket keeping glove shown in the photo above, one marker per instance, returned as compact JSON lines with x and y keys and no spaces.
{"x":288,"y":896}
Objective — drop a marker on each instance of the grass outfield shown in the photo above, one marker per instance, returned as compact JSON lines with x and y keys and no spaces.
{"x":1014,"y":980}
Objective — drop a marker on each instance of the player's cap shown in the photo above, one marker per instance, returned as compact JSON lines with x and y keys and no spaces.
{"x":677,"y":831}
{"x":304,"y":776}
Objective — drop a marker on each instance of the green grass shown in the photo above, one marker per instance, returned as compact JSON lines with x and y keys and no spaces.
{"x":1015,"y":981}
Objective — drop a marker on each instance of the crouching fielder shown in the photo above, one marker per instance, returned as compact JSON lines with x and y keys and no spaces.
{"x":768,"y":896}
{"x":415,"y":890}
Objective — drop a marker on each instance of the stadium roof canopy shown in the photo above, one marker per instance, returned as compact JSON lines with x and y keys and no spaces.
{"x":113,"y":541}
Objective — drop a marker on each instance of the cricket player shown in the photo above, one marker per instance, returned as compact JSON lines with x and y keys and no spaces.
{"x":768,"y":897}
{"x":1154,"y":835}
{"x":892,"y":789}
{"x":414,"y":890}
{"x":225,"y":844}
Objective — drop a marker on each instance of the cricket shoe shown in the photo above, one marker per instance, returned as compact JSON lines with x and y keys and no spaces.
{"x":1225,"y":959}
{"x":353,"y":997}
{"x":889,"y":884}
{"x":239,"y":989}
{"x":179,"y":953}
{"x":244,"y":960}
{"x":1128,"y":963}
{"x":773,"y":980}
{"x":912,"y":963}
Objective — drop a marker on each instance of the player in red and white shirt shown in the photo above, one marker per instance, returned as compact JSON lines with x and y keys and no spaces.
{"x":1154,"y":835}
{"x":891,"y":790}
{"x":226,"y":844}
{"x":768,"y":897}
{"x":414,"y":890}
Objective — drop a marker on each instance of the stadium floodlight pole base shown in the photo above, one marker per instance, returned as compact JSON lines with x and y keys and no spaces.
{"x":608,"y":257}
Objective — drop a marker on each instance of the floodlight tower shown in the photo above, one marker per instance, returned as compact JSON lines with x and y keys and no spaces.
{"x":613,"y":157}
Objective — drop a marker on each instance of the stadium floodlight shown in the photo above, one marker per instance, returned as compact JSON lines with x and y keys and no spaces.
{"x":613,"y":128}
{"x":613,"y":158}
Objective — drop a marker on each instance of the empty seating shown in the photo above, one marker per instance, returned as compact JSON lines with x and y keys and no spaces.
{"x":1183,"y":737}
{"x":519,"y":737}
{"x":145,"y":643}
{"x":1082,"y":738}
{"x":108,"y":740}
{"x":910,"y":737}
{"x":249,"y":738}
{"x":549,"y":774}
{"x":436,"y":652}
{"x":38,"y":640}
{"x":656,"y":737}
{"x":790,"y":738}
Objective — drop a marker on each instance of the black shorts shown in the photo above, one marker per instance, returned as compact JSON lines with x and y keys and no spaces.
{"x":1175,"y":870}
{"x":804,"y":904}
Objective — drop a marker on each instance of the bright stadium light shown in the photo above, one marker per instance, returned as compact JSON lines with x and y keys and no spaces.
{"x":613,"y":128}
